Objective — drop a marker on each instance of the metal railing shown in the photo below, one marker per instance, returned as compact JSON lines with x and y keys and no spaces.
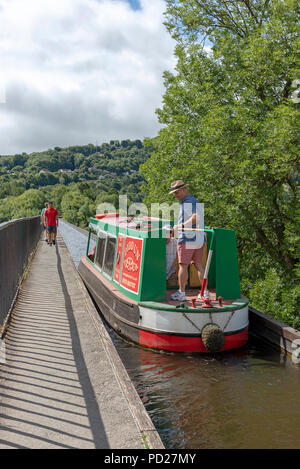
{"x":18,"y":239}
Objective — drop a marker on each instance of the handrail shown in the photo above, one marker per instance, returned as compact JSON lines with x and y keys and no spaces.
{"x":18,"y":240}
{"x":4,"y":224}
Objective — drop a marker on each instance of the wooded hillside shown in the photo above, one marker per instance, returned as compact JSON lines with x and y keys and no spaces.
{"x":76,"y":179}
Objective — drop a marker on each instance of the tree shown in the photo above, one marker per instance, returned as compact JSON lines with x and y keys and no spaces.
{"x":27,"y":204}
{"x":111,"y":198}
{"x":232,"y":129}
{"x":77,"y":208}
{"x":64,"y":179}
{"x":56,"y":195}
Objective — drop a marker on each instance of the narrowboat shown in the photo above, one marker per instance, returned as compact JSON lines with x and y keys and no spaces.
{"x":124,"y":269}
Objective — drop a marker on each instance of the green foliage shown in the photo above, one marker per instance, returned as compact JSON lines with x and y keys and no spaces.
{"x":83,"y":176}
{"x":11,"y":188}
{"x":274,"y":295}
{"x":232,"y":131}
{"x":25,"y":205}
{"x":77,"y":208}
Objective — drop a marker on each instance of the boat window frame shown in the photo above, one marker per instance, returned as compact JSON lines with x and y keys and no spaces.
{"x":97,"y":266}
{"x":104,"y":256}
{"x":92,"y":231}
{"x":96,"y":252}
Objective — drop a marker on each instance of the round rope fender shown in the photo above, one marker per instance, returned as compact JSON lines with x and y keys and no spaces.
{"x":212,"y":337}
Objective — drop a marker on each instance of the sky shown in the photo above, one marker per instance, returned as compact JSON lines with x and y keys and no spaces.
{"x":74,"y":72}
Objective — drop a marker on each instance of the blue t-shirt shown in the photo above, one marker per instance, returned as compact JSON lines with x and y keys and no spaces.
{"x":189,"y":206}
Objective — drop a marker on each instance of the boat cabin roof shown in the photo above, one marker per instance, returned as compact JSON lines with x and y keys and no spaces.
{"x":140,"y":223}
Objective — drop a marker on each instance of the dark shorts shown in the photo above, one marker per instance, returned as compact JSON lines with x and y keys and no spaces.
{"x":51,"y":228}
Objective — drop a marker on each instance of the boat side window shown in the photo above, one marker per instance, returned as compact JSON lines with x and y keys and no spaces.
{"x":92,"y":244}
{"x":108,"y":265}
{"x":100,"y":248}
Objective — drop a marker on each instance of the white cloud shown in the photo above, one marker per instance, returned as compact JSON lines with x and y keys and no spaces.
{"x":77,"y":71}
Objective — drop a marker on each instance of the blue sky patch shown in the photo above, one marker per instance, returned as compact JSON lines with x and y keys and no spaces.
{"x":135,"y":4}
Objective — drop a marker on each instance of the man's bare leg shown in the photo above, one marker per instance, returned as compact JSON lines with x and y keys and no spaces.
{"x":182,"y":276}
{"x":200,"y":271}
{"x":50,"y":239}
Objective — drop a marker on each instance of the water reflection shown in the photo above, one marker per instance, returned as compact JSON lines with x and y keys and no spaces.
{"x":243,"y":399}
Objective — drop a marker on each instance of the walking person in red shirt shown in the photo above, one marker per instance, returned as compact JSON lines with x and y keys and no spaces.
{"x":51,"y":215}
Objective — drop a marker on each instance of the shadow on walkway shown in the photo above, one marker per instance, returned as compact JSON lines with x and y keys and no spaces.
{"x":47,"y":399}
{"x":92,"y":407}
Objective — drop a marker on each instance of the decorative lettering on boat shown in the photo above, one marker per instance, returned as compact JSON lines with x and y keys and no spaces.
{"x":130,"y":265}
{"x":131,"y":268}
{"x":131,"y":246}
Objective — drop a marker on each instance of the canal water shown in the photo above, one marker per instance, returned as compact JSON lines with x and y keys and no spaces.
{"x":243,"y":399}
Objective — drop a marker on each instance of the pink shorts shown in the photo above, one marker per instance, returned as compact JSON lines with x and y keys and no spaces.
{"x":189,"y":256}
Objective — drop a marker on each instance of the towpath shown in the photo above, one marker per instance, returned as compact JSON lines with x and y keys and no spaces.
{"x":62,"y":383}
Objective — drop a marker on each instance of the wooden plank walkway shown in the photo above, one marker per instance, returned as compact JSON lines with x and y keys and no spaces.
{"x":62,"y":383}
